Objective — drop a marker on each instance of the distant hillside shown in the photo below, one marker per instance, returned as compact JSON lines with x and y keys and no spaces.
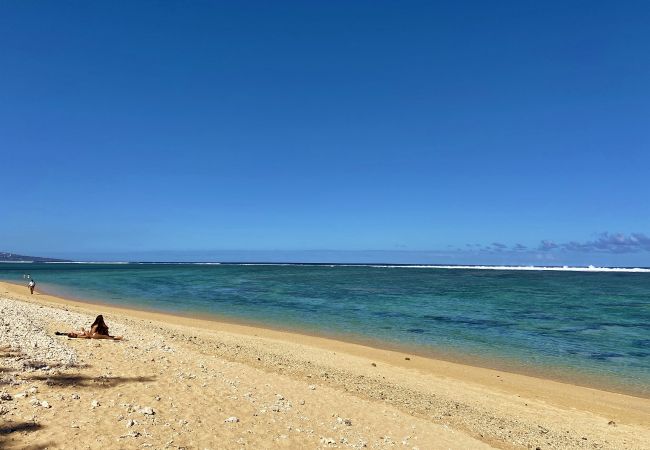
{"x":8,"y":257}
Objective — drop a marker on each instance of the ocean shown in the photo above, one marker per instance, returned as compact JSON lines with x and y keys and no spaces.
{"x":589,"y":327}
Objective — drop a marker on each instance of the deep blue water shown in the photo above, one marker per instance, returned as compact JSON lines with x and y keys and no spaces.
{"x":567,"y":324}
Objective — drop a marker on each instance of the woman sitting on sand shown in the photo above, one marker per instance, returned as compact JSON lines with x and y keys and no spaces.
{"x":98,"y":330}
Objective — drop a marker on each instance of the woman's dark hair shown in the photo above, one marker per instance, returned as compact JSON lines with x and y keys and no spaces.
{"x":102,"y":328}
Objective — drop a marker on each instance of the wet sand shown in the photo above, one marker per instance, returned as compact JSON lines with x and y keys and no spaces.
{"x":214,"y":384}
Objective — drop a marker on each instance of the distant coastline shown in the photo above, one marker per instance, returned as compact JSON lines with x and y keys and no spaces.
{"x":15,"y":258}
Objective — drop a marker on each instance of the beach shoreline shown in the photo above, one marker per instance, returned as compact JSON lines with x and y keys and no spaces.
{"x":481,"y":406}
{"x":507,"y":365}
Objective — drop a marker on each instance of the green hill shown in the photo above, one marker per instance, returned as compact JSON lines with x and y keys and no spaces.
{"x":12,"y":257}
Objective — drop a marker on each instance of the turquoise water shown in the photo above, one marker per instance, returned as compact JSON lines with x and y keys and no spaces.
{"x":572,"y":325}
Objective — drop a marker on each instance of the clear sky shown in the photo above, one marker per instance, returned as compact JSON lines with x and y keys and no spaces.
{"x":430,"y":131}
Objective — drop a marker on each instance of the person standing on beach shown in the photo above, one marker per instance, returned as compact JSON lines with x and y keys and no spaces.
{"x":32,"y":285}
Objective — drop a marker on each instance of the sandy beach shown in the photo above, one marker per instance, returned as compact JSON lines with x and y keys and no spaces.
{"x":177,"y":382}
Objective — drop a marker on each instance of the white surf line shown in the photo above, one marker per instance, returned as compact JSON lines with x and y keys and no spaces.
{"x":534,"y":268}
{"x":389,"y":266}
{"x":431,"y":266}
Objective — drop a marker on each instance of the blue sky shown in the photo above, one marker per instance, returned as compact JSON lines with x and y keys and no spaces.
{"x":429,"y":131}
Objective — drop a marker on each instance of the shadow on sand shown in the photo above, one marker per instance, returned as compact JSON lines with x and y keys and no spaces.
{"x":30,"y":364}
{"x":18,"y":427}
{"x":77,"y":380}
{"x":7,"y":352}
{"x":11,"y":432}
